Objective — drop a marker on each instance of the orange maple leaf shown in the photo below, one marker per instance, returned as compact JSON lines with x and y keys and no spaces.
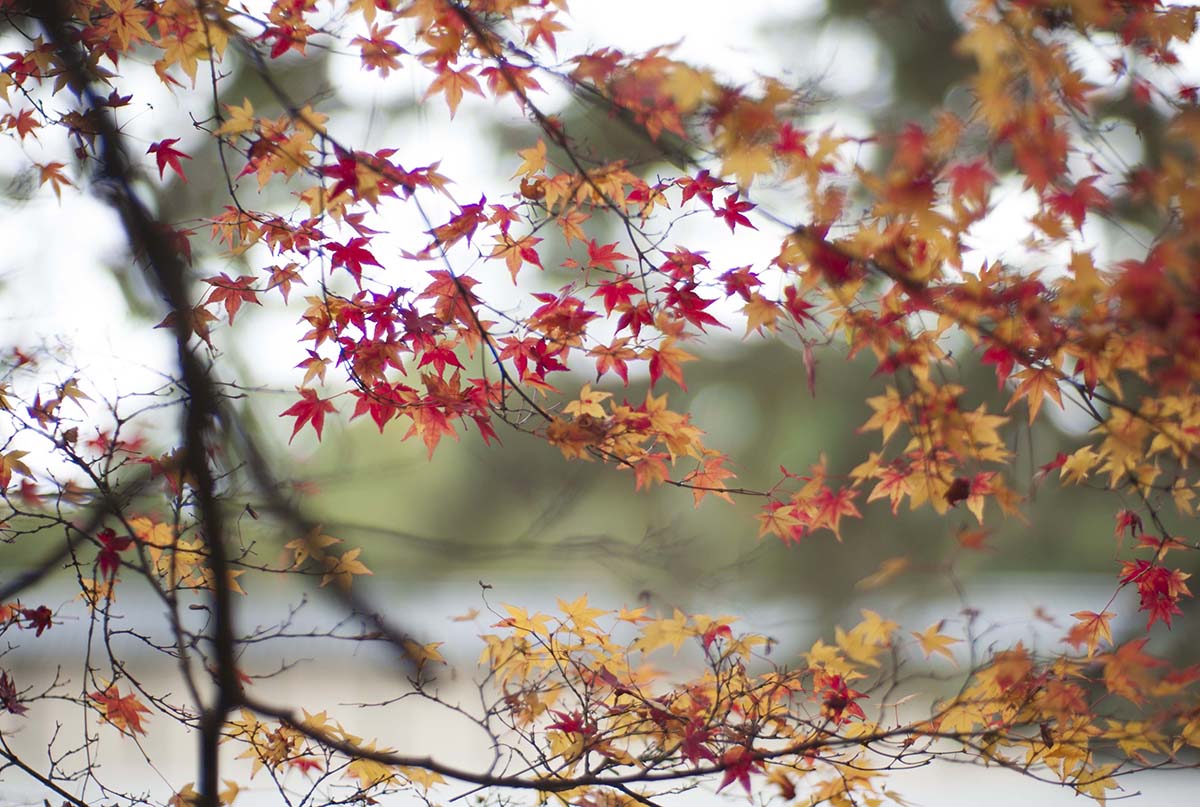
{"x":453,"y":83}
{"x":709,"y":479}
{"x":123,"y":711}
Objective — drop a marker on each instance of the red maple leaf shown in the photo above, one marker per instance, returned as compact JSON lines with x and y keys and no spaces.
{"x":573,"y":723}
{"x":604,"y":256}
{"x":971,"y":181}
{"x":838,"y":700}
{"x":703,"y":186}
{"x":39,"y":618}
{"x":1159,"y":589}
{"x":739,"y":763}
{"x":166,"y":154}
{"x":345,"y":171}
{"x":734,"y":212}
{"x":1076,"y":202}
{"x":8,"y":696}
{"x":310,"y":409}
{"x":695,"y":737}
{"x":616,"y":293}
{"x":351,"y":256}
{"x":1128,"y":520}
{"x":111,"y":547}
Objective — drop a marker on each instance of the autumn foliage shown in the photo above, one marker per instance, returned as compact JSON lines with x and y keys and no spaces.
{"x":872,"y":261}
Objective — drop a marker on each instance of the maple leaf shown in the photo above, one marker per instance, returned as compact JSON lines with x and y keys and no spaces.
{"x":543,"y":27}
{"x":760,"y":313}
{"x":533,"y":160}
{"x":8,"y":695}
{"x":1127,"y":520}
{"x":888,"y":570}
{"x":1036,"y":384}
{"x":702,"y":185}
{"x":232,"y":293}
{"x":1090,"y":629}
{"x":831,"y":506}
{"x":39,"y":618}
{"x":309,"y":409}
{"x":674,"y":631}
{"x":10,"y":462}
{"x":368,"y":772}
{"x":781,"y":520}
{"x":1097,"y":782}
{"x":111,"y":546}
{"x":229,"y":793}
{"x":1076,"y":202}
{"x":187,"y":796}
{"x":709,"y":479}
{"x":52,"y":173}
{"x":588,"y":403}
{"x":734,"y":212}
{"x":738,"y":763}
{"x":971,"y":182}
{"x":571,"y":723}
{"x":1159,"y":588}
{"x":580,"y":615}
{"x":422,"y":654}
{"x":516,"y":252}
{"x":352,"y":256}
{"x":665,"y":360}
{"x":165,"y":154}
{"x":24,"y":123}
{"x":604,"y":257}
{"x":838,"y":700}
{"x":747,"y":162}
{"x":453,"y":84}
{"x":241,"y":119}
{"x":617,"y":293}
{"x":650,"y":470}
{"x":933,"y":641}
{"x":343,"y":569}
{"x":122,"y":711}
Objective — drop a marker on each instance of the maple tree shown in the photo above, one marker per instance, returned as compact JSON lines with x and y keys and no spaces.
{"x":403,"y":323}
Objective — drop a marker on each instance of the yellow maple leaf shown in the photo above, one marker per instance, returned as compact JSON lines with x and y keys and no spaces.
{"x":779,"y":521}
{"x":310,"y":546}
{"x":588,"y":403}
{"x":760,"y":313}
{"x":887,"y":571}
{"x":241,"y":119}
{"x":520,"y":620}
{"x":344,"y":569}
{"x":422,"y":654}
{"x":1096,"y":783}
{"x":185,"y":797}
{"x":368,"y":772}
{"x":1036,"y":384}
{"x":661,"y":632}
{"x":420,"y":776}
{"x":580,"y":615}
{"x":230,"y":792}
{"x":746,"y":162}
{"x":933,"y":641}
{"x":1078,"y":465}
{"x":533,"y":160}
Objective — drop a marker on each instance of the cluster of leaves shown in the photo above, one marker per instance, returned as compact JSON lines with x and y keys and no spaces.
{"x":872,"y":254}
